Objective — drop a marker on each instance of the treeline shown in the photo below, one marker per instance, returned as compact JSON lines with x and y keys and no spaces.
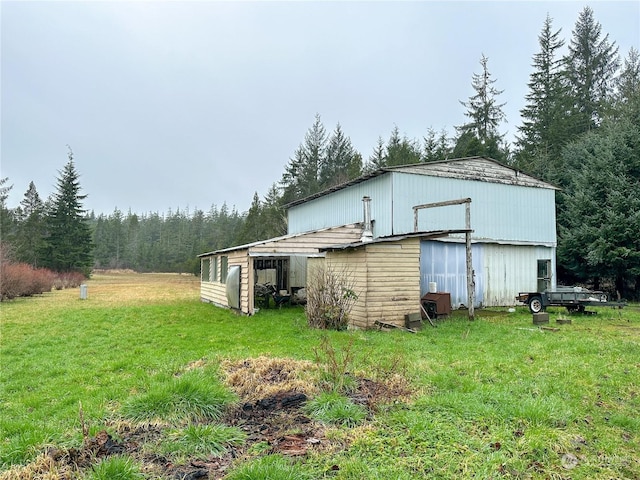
{"x":580,"y":132}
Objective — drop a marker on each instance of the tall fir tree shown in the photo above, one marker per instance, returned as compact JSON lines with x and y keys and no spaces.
{"x":31,"y":228}
{"x":401,"y":150}
{"x":378,"y":158}
{"x":590,"y":68}
{"x":480,"y":136}
{"x":302,"y":174}
{"x":274,"y":216}
{"x":436,"y":146}
{"x":341,"y":161}
{"x":68,"y":243}
{"x":541,"y":135}
{"x":627,"y":96}
{"x":253,"y":228}
{"x":599,"y":221}
{"x":6,"y":215}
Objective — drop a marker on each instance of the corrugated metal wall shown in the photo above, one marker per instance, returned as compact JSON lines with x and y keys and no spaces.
{"x":344,"y":207}
{"x":498,"y":212}
{"x":504,"y":213}
{"x":510,"y":269}
{"x":501,"y":271}
{"x":446,"y":264}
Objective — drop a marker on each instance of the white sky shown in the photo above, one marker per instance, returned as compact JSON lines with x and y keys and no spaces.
{"x":171,"y":105}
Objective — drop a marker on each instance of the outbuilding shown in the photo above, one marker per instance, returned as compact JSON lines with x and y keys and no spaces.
{"x":229,"y":276}
{"x":502,"y":217}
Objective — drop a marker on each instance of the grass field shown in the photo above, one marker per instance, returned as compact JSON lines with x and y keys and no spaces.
{"x":493,"y":398}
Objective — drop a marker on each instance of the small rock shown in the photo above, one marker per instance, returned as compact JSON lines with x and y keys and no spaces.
{"x":569,"y":461}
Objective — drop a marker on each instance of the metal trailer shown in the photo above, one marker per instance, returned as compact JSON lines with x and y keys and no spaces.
{"x":575,"y":299}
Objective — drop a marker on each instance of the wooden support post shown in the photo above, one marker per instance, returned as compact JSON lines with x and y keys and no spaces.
{"x":471,"y":284}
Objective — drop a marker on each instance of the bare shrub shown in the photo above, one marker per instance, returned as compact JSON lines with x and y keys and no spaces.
{"x":330,"y":297}
{"x":13,"y":280}
{"x":336,"y":364}
{"x":22,"y":280}
{"x":68,"y":280}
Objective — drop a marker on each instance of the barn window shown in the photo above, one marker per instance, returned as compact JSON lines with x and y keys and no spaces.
{"x":205,"y":269}
{"x":224,"y":266}
{"x":214,"y":269}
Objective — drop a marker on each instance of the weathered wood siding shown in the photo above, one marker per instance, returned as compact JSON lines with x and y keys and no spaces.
{"x":215,"y":291}
{"x":393,"y":272}
{"x":386,"y":278}
{"x":352,"y":265}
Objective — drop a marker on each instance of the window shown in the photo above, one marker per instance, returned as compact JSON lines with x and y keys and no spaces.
{"x":224,"y":266}
{"x":205,"y":270}
{"x":544,"y":275}
{"x":214,"y":269}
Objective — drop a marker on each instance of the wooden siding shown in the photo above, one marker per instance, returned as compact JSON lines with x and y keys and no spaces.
{"x":353,"y":264}
{"x":215,"y":292}
{"x":394,"y":281}
{"x":387,"y":279}
{"x":303,"y":244}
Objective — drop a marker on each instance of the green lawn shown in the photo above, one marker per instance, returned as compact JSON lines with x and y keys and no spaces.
{"x":493,"y":398}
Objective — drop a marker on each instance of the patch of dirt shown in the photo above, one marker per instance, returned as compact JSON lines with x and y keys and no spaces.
{"x":278,"y":422}
{"x":273,"y":393}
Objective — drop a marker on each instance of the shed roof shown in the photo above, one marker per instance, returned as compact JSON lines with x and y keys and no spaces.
{"x":481,"y":169}
{"x":395,"y":238}
{"x":249,"y":246}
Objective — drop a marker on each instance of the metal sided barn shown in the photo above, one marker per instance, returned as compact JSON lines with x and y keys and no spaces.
{"x":512,"y":220}
{"x":229,"y":276}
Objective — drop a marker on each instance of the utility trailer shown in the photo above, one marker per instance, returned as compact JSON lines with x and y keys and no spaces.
{"x":575,"y":299}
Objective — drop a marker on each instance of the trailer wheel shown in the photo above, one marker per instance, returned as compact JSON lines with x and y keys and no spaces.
{"x":535,"y":304}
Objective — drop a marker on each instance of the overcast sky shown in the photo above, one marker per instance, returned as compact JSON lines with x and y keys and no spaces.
{"x":171,"y":105}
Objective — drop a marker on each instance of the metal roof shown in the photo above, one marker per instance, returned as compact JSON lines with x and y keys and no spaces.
{"x":469,"y":168}
{"x":396,"y":238}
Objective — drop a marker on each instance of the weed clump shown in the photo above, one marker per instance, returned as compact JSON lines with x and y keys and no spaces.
{"x":192,"y":397}
{"x":334,"y":408}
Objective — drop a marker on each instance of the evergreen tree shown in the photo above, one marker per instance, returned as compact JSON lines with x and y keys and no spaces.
{"x":68,"y":244}
{"x":599,"y":221}
{"x":542,"y":132}
{"x":627,"y":96}
{"x":341,"y":162}
{"x":30,"y":231}
{"x":302,"y":174}
{"x":6,"y":215}
{"x":378,"y":158}
{"x":436,"y":146}
{"x":480,"y":136}
{"x":274,"y":217}
{"x":590,"y":68}
{"x":254,"y":228}
{"x":401,"y":150}
{"x":132,"y":248}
